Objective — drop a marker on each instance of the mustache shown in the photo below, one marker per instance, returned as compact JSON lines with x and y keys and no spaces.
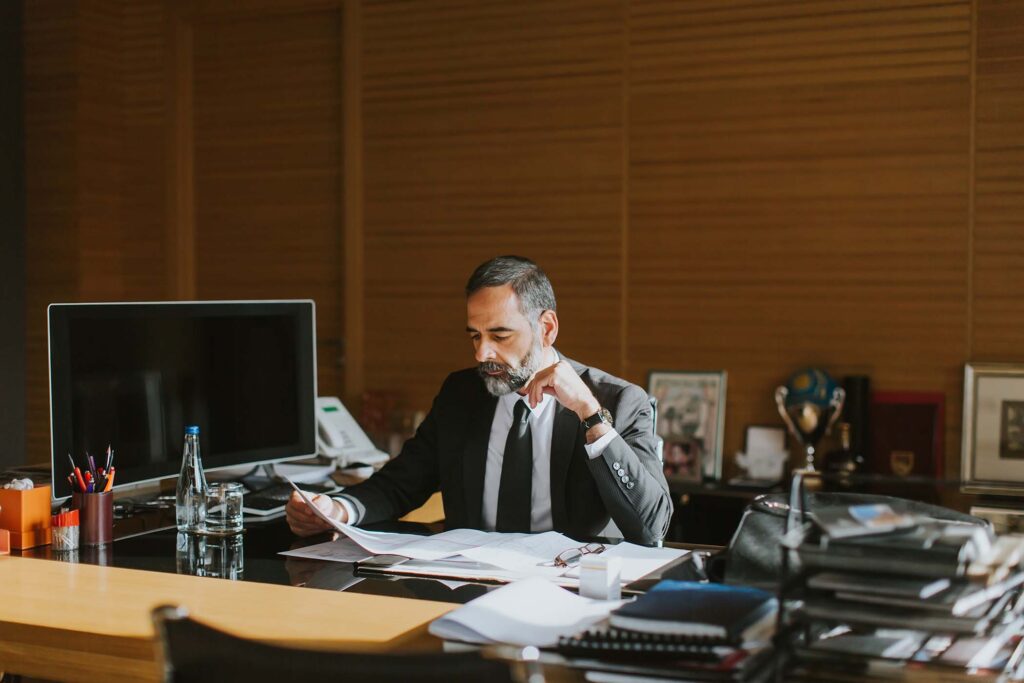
{"x":494,"y":366}
{"x":514,"y":380}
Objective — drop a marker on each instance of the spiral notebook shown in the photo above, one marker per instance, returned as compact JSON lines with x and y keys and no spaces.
{"x":613,"y":643}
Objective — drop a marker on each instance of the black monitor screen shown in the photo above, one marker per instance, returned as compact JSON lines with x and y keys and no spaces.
{"x":133,"y":376}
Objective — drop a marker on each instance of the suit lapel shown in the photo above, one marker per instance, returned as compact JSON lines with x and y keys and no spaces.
{"x":474,"y":458}
{"x":564,"y":439}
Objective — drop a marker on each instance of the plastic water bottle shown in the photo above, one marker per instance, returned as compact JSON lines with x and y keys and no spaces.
{"x":190,"y":505}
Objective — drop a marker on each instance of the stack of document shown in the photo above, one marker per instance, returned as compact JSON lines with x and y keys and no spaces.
{"x":529,"y":612}
{"x":471,"y":554}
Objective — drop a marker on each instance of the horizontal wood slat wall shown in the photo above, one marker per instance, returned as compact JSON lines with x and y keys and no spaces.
{"x":998,"y":228}
{"x":266,"y":92}
{"x":102,"y":111}
{"x":750,"y":185}
{"x":489,"y":128}
{"x":798,"y":194}
{"x":51,"y":202}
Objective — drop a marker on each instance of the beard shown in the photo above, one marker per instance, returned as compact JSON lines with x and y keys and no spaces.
{"x":511,"y":378}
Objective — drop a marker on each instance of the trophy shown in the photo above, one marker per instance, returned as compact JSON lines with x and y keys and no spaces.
{"x":810,"y":402}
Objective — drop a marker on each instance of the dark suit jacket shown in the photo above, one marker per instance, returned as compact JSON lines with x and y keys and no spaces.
{"x":449,"y":453}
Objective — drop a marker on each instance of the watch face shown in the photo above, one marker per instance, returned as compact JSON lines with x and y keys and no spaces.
{"x":606,"y":417}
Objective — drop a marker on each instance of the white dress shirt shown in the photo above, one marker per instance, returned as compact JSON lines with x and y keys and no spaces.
{"x":542,"y":422}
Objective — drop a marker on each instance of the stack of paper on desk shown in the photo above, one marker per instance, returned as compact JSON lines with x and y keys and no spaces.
{"x":528,"y":612}
{"x":483,"y":555}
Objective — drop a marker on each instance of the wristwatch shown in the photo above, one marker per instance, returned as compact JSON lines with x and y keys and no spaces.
{"x":602,"y":415}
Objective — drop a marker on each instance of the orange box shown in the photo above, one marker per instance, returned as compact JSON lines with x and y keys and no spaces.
{"x":26,"y":514}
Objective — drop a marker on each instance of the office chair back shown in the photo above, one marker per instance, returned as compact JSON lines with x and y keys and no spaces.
{"x":196,"y":653}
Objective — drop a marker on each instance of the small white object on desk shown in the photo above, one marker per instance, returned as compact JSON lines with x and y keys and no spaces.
{"x":600,"y":577}
{"x":20,"y":484}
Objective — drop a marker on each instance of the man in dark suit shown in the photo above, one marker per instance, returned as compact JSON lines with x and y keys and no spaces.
{"x":527,"y":441}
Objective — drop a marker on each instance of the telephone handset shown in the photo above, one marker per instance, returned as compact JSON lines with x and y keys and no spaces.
{"x":339,"y":436}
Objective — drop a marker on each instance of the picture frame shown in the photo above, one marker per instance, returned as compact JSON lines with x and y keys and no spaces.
{"x":908,"y":434}
{"x":691,"y":421}
{"x":1003,"y":520}
{"x":992,"y":459}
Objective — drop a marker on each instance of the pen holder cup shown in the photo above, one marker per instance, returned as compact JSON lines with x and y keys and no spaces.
{"x":96,"y":512}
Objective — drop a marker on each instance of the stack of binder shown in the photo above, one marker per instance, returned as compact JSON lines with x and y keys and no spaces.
{"x":907,"y":599}
{"x":683,"y":630}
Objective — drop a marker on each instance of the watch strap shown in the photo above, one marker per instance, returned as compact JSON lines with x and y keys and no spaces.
{"x":602,"y":415}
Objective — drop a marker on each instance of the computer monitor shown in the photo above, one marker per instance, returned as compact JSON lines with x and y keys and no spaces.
{"x":134,"y":375}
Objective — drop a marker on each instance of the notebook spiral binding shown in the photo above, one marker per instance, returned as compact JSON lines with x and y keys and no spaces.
{"x":612,"y":642}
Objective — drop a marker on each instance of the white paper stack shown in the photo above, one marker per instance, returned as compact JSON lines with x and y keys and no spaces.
{"x":528,"y":612}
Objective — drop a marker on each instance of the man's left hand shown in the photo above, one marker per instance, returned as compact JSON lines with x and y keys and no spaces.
{"x":562,"y":382}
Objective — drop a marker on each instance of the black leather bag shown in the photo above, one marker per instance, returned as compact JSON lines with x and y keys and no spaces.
{"x":754,"y":555}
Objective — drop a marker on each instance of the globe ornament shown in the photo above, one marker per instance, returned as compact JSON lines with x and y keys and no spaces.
{"x":809,"y":402}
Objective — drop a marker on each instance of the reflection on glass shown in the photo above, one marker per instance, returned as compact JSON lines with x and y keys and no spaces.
{"x":224,"y":508}
{"x":221,"y":557}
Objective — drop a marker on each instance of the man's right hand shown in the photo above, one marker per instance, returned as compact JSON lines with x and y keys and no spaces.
{"x":305,"y":522}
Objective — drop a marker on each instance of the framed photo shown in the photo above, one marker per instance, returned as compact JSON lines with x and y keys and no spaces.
{"x":908,"y":434}
{"x":691,"y":418}
{"x":993,"y":436}
{"x":1004,"y":520}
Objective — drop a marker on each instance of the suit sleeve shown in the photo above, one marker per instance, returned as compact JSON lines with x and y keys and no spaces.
{"x":628,"y":472}
{"x":405,"y":482}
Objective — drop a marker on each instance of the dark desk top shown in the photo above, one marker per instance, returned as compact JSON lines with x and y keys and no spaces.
{"x":148,"y":541}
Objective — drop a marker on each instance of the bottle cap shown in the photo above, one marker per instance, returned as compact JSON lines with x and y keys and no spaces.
{"x":192,"y":429}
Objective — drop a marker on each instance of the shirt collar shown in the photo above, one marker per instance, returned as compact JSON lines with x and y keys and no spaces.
{"x":508,"y":401}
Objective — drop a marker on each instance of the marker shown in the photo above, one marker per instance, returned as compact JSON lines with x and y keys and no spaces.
{"x":110,"y":479}
{"x":81,"y":481}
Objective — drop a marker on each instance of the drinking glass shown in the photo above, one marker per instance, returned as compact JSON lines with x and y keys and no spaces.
{"x":224,"y":508}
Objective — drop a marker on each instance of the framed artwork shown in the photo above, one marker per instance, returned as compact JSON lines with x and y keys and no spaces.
{"x":908,"y":434}
{"x":691,"y":418}
{"x":1003,"y":520}
{"x":992,"y":458}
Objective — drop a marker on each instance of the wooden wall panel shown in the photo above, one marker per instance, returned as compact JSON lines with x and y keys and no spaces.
{"x":51,"y":245}
{"x":489,"y":128}
{"x":98,"y":120}
{"x":998,"y":226}
{"x":798,"y":194}
{"x":267,"y":124}
{"x":752,"y":185}
{"x":143,"y":178}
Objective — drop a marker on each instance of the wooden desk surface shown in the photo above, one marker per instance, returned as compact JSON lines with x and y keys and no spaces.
{"x":79,"y":622}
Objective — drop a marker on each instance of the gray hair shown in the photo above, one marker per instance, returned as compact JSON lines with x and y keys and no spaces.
{"x":528,"y":281}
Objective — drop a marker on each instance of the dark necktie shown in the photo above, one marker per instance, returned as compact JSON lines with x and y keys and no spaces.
{"x":514,"y":494}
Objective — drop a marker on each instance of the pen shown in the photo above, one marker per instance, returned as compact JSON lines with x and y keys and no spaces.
{"x":92,"y":465}
{"x":110,"y":455}
{"x":78,"y":477}
{"x":110,"y":479}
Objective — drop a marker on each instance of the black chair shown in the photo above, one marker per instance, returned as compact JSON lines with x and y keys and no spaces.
{"x":193,"y":652}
